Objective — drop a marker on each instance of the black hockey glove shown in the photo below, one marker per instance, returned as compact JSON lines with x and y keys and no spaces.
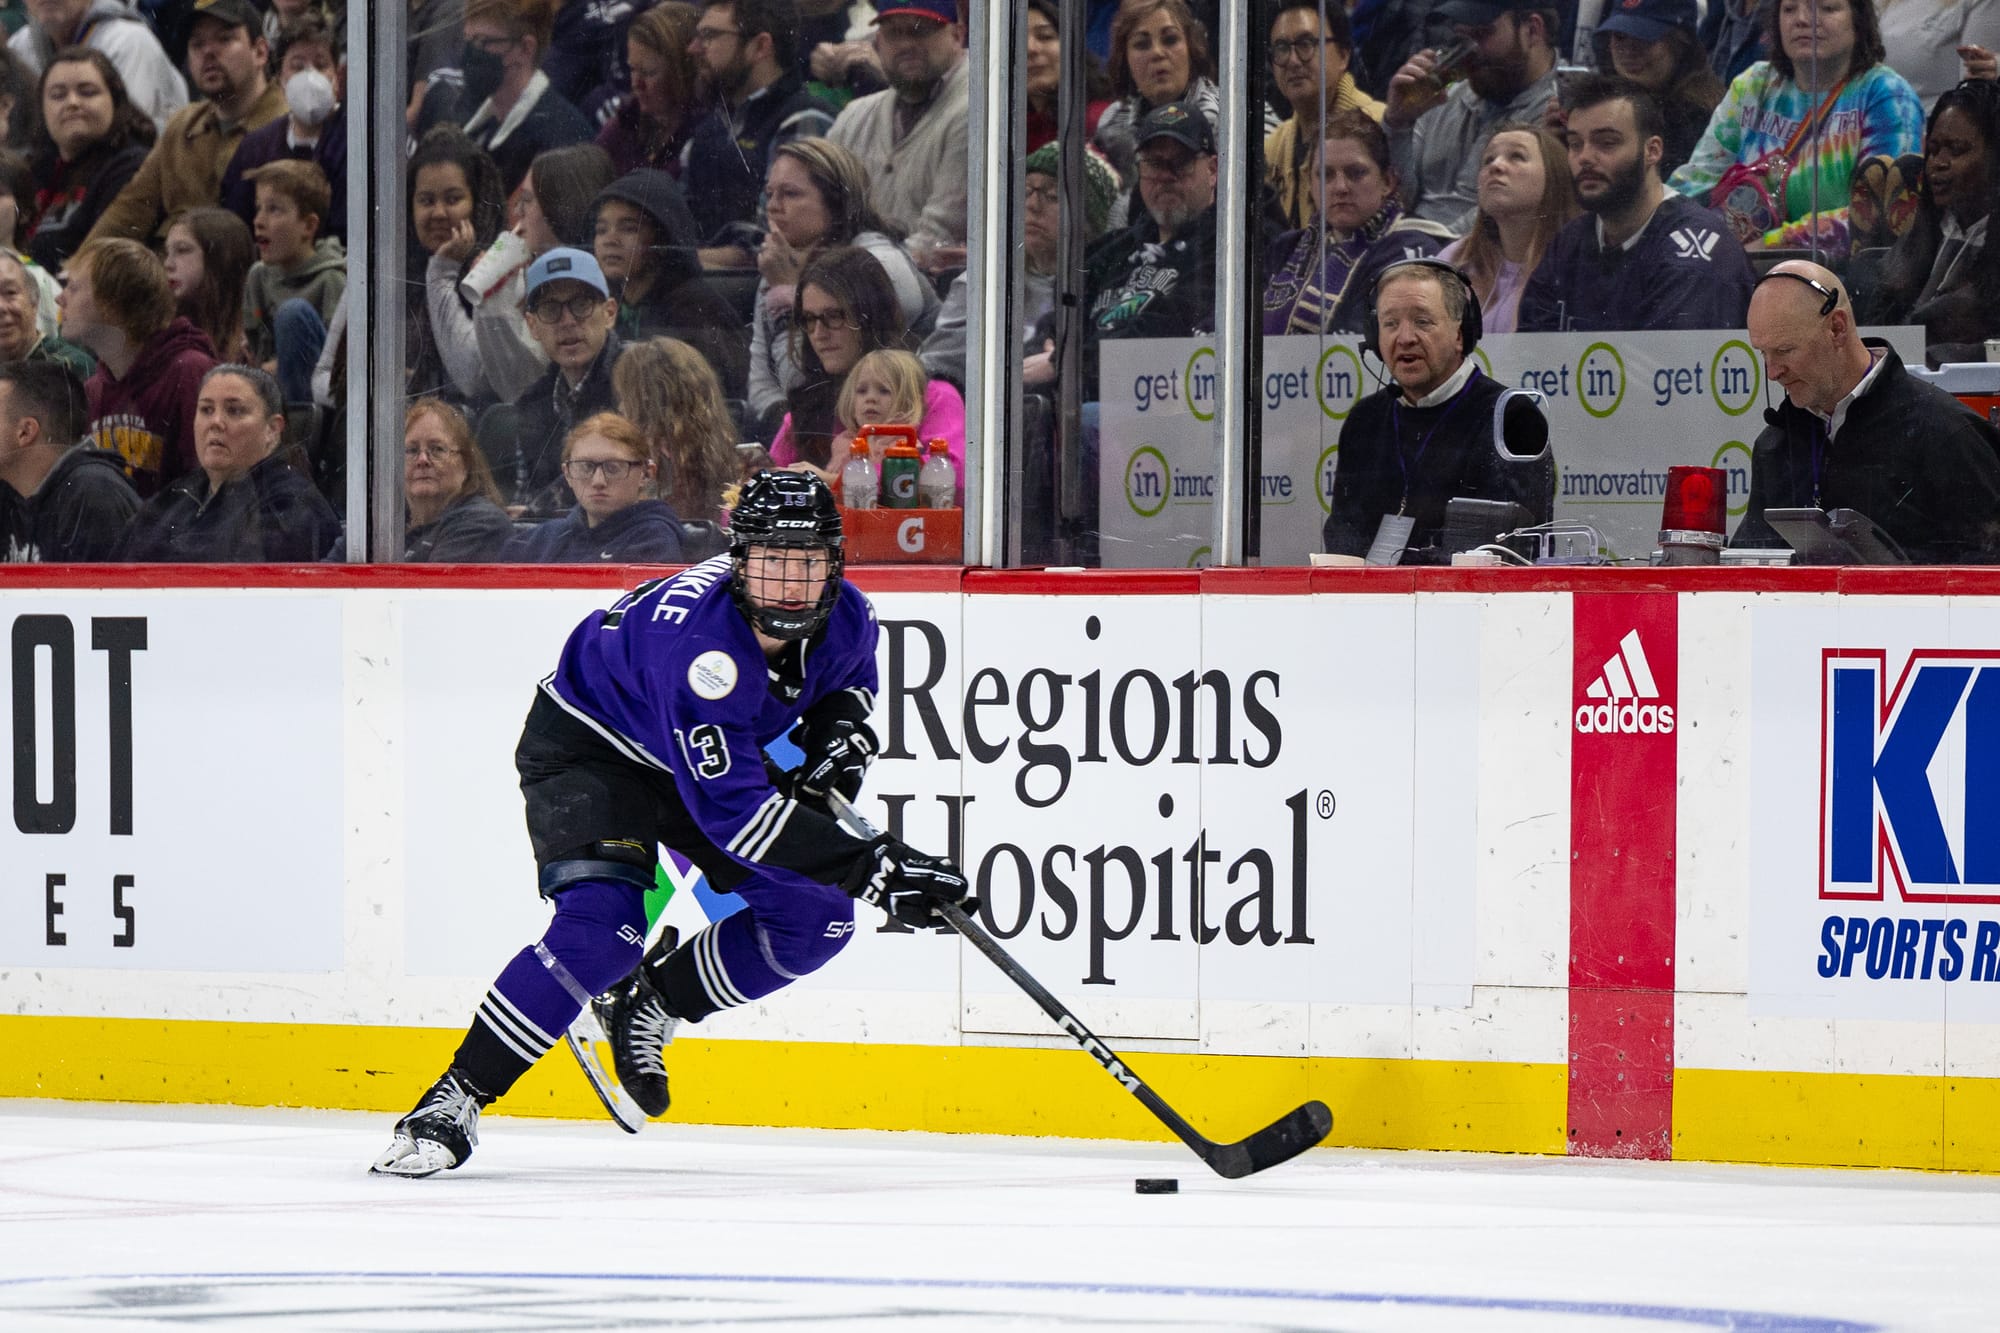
{"x":909,"y":884}
{"x":837,"y":757}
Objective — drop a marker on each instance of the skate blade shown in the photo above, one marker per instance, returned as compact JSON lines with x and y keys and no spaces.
{"x":413,"y":1159}
{"x":592,"y":1049}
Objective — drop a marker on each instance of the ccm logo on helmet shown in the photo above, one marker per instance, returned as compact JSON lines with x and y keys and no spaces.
{"x":1625,"y":691}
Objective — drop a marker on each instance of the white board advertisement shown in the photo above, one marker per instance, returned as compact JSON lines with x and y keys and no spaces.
{"x":175,"y":785}
{"x":1164,"y":803}
{"x":1875,"y":809}
{"x":1622,"y":408}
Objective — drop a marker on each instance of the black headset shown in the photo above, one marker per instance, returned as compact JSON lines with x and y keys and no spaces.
{"x":1471,"y":325}
{"x":1829,"y":297}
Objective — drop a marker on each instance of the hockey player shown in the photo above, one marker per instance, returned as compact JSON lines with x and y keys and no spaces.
{"x":651,"y":730}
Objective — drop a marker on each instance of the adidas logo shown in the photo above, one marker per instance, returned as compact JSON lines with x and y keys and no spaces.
{"x":1624,"y":686}
{"x":1695,"y":244}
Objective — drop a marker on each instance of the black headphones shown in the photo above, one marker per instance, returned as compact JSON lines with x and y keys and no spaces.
{"x":1471,"y":325}
{"x":1829,"y":297}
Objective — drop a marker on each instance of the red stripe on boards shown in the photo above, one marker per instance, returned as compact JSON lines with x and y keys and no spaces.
{"x":1625,"y":705}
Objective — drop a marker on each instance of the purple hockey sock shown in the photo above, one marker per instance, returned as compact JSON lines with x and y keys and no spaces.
{"x":591,"y":943}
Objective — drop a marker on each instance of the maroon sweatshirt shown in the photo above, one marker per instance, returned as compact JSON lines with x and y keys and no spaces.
{"x":146,"y":416}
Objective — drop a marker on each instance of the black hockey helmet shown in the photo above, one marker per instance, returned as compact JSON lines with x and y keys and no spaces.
{"x":785,"y":509}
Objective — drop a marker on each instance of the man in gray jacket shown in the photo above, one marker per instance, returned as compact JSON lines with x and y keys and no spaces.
{"x":151,"y":80}
{"x":911,"y":135}
{"x":1435,"y":134}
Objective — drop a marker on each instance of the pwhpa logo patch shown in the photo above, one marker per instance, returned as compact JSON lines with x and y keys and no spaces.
{"x":1910,"y":776}
{"x":712,"y":675}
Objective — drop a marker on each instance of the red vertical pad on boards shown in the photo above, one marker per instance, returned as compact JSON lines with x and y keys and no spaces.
{"x":1624,"y":720}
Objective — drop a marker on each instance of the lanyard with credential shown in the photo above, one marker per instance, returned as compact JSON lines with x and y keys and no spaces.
{"x":1396,"y":425}
{"x":1820,"y":440}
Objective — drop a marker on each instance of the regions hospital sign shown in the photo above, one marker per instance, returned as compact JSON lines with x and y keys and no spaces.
{"x":1622,"y":409}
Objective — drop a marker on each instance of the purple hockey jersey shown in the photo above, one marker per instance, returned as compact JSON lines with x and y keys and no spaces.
{"x":672,"y":676}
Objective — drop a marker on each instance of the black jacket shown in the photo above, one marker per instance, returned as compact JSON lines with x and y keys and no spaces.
{"x":730,"y":152}
{"x":647,"y":533}
{"x":270,"y":514}
{"x":1141,"y":288}
{"x":552,"y":122}
{"x":263,"y":146}
{"x":531,"y":474}
{"x":1919,"y":463}
{"x":1448,"y":452}
{"x":1684,"y":271}
{"x":78,"y":513}
{"x":472,"y":529}
{"x":79,"y":193}
{"x":679,"y":301}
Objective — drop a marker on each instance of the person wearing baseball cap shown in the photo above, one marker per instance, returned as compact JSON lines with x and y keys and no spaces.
{"x":1437,"y":125}
{"x":912,"y":135}
{"x":227,"y":58}
{"x":1156,"y":279}
{"x":1653,"y":43}
{"x":571,"y":313}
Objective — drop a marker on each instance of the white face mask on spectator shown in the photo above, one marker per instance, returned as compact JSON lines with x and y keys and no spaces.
{"x":309,"y":94}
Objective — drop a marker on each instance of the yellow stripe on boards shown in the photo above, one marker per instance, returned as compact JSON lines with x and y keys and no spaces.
{"x":1743,"y":1115}
{"x":1473,"y":1107}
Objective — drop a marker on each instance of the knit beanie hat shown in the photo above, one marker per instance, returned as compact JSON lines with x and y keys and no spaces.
{"x":1100,"y":183}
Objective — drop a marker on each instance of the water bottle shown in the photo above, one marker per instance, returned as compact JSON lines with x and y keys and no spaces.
{"x":858,"y":482}
{"x":937,"y":483}
{"x":901,"y":463}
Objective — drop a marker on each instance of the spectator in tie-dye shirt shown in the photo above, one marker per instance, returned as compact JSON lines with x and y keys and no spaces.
{"x":1824,"y":90}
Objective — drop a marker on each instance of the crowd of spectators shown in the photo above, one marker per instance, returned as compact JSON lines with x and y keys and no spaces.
{"x":653,"y":242}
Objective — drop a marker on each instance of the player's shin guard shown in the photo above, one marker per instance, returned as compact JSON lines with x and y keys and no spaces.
{"x":535,"y":998}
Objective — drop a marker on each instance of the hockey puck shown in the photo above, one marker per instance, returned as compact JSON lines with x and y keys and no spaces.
{"x":1156,"y":1185}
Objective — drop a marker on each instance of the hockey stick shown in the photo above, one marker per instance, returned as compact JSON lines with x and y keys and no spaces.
{"x":1279,"y":1141}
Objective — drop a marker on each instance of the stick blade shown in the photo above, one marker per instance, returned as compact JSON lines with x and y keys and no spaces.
{"x":1276,"y":1143}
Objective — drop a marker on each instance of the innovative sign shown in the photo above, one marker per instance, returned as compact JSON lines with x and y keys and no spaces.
{"x":1622,"y":408}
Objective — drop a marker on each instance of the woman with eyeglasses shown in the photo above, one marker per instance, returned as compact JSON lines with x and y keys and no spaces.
{"x":454,"y":507}
{"x":1310,"y":55}
{"x":845,"y":309}
{"x":816,"y":198}
{"x":616,"y":519}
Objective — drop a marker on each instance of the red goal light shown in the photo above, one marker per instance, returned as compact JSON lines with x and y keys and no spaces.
{"x":1694,"y":519}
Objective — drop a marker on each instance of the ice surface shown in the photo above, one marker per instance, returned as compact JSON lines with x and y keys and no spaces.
{"x":184,"y":1218}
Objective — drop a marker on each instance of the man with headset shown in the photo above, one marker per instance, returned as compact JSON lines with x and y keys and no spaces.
{"x":1441,"y":429}
{"x":1858,"y":431}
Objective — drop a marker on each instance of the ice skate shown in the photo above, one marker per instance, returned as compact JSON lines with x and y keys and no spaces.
{"x":439,"y":1134}
{"x":636,"y":1021}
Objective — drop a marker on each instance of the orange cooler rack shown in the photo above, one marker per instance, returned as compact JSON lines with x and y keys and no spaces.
{"x":904,"y":536}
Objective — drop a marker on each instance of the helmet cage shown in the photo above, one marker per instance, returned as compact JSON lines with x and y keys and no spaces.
{"x":788,"y":511}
